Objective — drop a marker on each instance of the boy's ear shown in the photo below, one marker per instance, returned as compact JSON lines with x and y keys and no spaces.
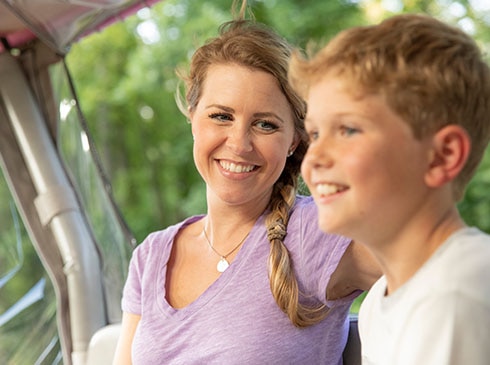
{"x":450,"y":149}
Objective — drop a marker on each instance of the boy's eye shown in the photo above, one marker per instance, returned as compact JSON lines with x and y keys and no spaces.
{"x":348,"y":131}
{"x":312,"y":135}
{"x":224,"y":117}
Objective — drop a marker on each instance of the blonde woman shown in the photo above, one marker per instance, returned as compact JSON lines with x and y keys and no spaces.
{"x":253,"y":281}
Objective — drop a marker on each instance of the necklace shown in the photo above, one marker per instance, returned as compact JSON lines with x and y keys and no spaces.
{"x":222,"y":263}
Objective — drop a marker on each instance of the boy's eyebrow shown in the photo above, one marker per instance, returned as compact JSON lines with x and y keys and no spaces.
{"x":256,"y":115}
{"x":310,"y":120}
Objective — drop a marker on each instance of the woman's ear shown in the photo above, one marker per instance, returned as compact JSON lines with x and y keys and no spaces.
{"x":451,"y":147}
{"x":294,"y":144}
{"x":192,"y":127}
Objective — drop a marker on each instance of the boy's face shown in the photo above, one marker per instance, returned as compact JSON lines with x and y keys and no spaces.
{"x":364,"y":168}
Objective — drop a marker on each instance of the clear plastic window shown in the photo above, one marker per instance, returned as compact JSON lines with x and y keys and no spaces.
{"x":28,"y":332}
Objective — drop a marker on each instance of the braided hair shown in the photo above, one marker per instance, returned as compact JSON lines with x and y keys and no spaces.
{"x":253,"y":45}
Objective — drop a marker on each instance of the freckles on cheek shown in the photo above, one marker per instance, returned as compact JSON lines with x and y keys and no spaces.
{"x":364,"y":158}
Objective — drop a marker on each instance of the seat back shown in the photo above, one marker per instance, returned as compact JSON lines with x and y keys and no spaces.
{"x":352,"y":351}
{"x":103,"y":345}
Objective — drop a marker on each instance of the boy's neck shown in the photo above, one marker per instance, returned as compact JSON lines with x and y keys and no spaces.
{"x":401,"y":259}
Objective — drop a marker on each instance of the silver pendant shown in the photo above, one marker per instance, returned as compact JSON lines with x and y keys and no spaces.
{"x":222,"y":265}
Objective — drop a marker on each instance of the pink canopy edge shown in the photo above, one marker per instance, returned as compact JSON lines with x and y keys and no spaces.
{"x":20,"y":33}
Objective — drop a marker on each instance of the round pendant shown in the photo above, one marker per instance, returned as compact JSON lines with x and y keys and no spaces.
{"x":222,"y":265}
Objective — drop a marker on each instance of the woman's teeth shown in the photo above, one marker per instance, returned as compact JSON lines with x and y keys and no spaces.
{"x":233,"y":167}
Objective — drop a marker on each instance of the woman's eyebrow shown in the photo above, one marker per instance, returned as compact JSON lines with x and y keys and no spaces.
{"x":222,"y":107}
{"x":269,"y":115}
{"x":256,"y":115}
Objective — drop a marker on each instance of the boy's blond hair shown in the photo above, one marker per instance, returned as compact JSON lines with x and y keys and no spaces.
{"x":429,"y":73}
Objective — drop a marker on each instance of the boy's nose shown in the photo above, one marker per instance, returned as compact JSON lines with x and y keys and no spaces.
{"x":318,"y":155}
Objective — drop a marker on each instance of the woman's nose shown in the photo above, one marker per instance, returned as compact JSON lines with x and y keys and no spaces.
{"x":239,"y":140}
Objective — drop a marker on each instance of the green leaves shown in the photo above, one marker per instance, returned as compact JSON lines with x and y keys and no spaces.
{"x":125,"y":77}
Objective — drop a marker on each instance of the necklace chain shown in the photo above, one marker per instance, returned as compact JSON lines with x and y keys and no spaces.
{"x":223,"y":262}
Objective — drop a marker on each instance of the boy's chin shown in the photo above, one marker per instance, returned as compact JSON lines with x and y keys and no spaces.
{"x":327,"y":226}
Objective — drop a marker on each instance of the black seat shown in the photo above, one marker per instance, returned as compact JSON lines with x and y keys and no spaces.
{"x":352,"y":351}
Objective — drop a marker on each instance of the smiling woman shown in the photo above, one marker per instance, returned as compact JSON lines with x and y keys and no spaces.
{"x":257,"y":255}
{"x":227,"y":134}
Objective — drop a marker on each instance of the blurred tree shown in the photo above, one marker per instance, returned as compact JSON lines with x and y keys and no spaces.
{"x":126,"y":81}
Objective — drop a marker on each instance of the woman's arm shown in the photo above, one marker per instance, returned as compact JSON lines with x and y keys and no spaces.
{"x":128,"y":328}
{"x":357,"y":270}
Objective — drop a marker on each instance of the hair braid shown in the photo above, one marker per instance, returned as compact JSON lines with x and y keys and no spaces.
{"x":284,"y":285}
{"x":254,"y":45}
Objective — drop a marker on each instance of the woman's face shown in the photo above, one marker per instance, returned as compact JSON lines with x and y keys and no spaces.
{"x":243,"y":129}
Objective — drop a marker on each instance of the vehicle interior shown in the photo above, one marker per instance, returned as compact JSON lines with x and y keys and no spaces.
{"x":63,"y":242}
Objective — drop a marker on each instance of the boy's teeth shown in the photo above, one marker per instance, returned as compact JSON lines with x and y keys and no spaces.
{"x":232,"y":167}
{"x":327,"y":189}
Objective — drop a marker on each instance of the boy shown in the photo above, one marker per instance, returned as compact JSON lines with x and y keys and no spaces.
{"x":398,"y":120}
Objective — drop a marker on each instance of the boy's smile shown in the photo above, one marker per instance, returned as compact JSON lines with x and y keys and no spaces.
{"x":328,"y":189}
{"x":360,"y":153}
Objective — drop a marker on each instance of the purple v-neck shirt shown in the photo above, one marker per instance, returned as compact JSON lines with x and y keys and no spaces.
{"x":236,"y":320}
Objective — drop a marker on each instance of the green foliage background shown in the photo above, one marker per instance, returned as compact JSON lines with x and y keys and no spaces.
{"x":126,"y":84}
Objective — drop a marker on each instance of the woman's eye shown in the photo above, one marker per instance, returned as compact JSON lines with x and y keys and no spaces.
{"x":266,"y":125}
{"x":224,"y":117}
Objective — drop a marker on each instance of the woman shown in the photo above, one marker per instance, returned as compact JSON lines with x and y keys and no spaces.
{"x":254,"y":281}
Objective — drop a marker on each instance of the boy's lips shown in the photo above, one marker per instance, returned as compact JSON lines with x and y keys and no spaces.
{"x":325,"y":189}
{"x":236,"y":167}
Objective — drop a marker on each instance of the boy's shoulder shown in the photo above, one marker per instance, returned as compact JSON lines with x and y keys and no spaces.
{"x":467,"y":245}
{"x":461,"y":265}
{"x":465,"y":256}
{"x":446,"y":302}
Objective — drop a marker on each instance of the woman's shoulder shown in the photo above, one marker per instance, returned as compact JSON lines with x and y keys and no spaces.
{"x":304,"y":220}
{"x":162,"y":239}
{"x":304,"y":208}
{"x":304,"y":202}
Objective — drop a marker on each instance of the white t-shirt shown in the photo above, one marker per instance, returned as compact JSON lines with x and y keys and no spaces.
{"x":441,"y":316}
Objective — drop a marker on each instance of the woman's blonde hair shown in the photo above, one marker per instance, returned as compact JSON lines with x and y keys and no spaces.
{"x":253,"y":45}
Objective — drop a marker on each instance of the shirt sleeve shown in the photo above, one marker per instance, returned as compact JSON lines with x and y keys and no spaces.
{"x":131,"y":300}
{"x":320,"y":253}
